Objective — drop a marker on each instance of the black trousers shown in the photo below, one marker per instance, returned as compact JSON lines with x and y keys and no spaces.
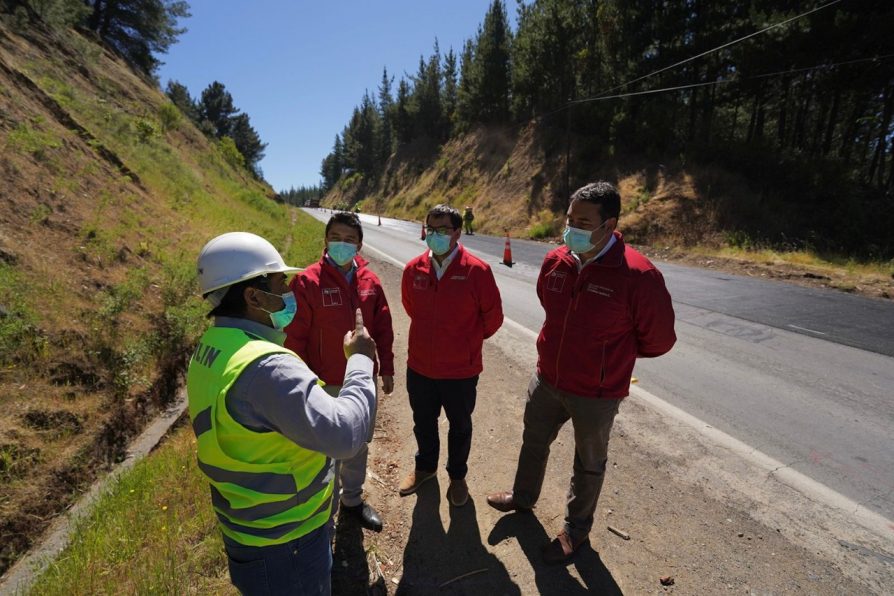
{"x":457,"y":397}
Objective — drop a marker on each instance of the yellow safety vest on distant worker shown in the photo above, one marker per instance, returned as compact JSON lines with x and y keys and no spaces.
{"x":265,"y":489}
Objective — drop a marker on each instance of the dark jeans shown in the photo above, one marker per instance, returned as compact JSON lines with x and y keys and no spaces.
{"x":457,"y":397}
{"x":302,"y":566}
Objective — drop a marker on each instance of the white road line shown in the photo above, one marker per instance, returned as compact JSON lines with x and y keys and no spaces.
{"x":805,"y":329}
{"x":384,"y":256}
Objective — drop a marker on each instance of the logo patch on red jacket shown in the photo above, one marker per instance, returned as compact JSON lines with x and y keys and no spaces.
{"x":367,"y":292}
{"x":420,"y":282}
{"x":555,"y":281}
{"x":331,"y":297}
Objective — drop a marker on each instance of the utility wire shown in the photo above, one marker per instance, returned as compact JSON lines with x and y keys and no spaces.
{"x":726,"y":81}
{"x":720,"y":47}
{"x":602,"y":94}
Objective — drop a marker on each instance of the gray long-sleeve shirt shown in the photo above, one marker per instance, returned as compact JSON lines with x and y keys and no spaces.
{"x":279,"y":393}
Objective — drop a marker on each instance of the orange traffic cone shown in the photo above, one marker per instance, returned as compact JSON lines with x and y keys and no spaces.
{"x":507,"y":253}
{"x":422,"y":237}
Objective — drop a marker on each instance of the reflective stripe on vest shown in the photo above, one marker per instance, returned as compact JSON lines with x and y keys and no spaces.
{"x":265,"y":489}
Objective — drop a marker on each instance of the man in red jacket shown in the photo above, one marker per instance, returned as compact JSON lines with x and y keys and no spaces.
{"x":328,"y":293}
{"x":606,"y":305}
{"x":454,"y":305}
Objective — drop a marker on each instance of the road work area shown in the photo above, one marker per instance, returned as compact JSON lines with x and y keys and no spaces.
{"x":688,"y":514}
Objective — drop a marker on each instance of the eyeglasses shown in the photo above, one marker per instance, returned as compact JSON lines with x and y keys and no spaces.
{"x":444,"y":230}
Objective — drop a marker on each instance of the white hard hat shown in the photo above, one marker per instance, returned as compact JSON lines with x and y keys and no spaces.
{"x":237,"y":256}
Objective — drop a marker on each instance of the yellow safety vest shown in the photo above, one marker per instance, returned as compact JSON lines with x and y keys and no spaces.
{"x":265,"y":489}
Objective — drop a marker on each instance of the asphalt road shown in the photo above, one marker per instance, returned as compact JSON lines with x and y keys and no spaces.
{"x":805,"y":376}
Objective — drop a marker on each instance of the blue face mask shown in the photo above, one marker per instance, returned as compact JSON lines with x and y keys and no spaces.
{"x":341,"y":252}
{"x":578,"y":240}
{"x":438,"y":243}
{"x":282,"y":318}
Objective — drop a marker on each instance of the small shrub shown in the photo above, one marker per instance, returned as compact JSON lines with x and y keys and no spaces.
{"x":543,"y":225}
{"x":169,"y":116}
{"x":231,"y":153}
{"x":41,"y":214}
{"x":146,"y":129}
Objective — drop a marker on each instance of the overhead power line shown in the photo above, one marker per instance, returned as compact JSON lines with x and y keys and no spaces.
{"x":726,"y":81}
{"x":602,"y":94}
{"x":720,"y":47}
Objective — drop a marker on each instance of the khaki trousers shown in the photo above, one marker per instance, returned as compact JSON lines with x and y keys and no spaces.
{"x":546,"y":411}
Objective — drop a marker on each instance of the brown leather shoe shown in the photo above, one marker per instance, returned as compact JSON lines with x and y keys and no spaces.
{"x":562,"y":549}
{"x":505,"y":502}
{"x":411,"y":483}
{"x":458,"y":492}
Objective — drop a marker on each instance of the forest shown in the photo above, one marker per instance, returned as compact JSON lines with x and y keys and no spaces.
{"x":796,"y":97}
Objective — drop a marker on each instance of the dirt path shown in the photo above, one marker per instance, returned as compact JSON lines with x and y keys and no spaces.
{"x":688,"y":509}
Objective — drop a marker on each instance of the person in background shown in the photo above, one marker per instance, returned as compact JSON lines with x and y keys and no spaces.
{"x":327,"y":293}
{"x":606,"y":305}
{"x":468,"y":218}
{"x":267,"y":434}
{"x":454,"y":305}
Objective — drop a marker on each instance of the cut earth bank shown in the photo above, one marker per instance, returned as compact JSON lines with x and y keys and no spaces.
{"x":693,"y":510}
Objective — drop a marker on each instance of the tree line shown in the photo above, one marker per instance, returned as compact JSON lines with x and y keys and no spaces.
{"x":216,"y":115}
{"x":303,"y":196}
{"x":808,"y":104}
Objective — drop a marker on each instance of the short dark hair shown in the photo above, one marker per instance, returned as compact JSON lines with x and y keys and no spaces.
{"x":601,"y":193}
{"x":233,"y":302}
{"x":348,"y":219}
{"x":456,"y":220}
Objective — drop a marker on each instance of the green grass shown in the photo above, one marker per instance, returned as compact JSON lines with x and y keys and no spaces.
{"x":31,"y":138}
{"x":153,"y":531}
{"x":20,"y":339}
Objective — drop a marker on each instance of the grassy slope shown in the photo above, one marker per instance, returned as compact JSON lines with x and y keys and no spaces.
{"x":106,"y":202}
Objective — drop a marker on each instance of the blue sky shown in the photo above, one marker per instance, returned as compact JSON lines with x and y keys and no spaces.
{"x":298,"y":68}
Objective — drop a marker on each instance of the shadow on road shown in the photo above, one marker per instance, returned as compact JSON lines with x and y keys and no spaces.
{"x":433,"y":556}
{"x":554,"y":579}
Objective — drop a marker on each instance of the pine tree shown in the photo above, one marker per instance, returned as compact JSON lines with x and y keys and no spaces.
{"x":427,"y":96}
{"x":179,"y":96}
{"x":491,"y":75}
{"x":465,"y":109}
{"x":247,"y":142}
{"x":138,"y":29}
{"x":403,"y":115}
{"x":217,"y":109}
{"x":449,"y":94}
{"x":386,"y":116}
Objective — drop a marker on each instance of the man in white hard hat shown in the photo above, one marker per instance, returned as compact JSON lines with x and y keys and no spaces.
{"x":267,"y":433}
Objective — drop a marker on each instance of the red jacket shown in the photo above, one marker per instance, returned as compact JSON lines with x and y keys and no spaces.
{"x":326,"y":305}
{"x":599,"y":320}
{"x":450,"y":318}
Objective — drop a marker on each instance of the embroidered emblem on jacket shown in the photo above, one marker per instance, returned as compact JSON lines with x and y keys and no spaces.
{"x":555,"y":281}
{"x":331,"y":297}
{"x":420,"y":282}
